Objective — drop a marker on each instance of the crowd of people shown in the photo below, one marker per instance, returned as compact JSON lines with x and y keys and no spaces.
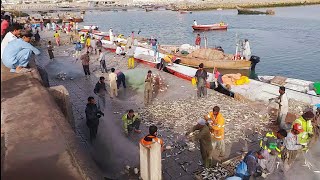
{"x":16,"y":47}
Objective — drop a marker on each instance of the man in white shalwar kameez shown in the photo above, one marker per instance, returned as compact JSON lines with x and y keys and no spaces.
{"x":282,"y":100}
{"x":246,"y":50}
{"x":111,"y":34}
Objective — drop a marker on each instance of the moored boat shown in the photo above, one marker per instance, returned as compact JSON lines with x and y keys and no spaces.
{"x":220,"y":26}
{"x":244,"y":11}
{"x":213,"y":58}
{"x":223,"y":64}
{"x":148,"y":10}
{"x":185,"y":12}
{"x":78,"y":19}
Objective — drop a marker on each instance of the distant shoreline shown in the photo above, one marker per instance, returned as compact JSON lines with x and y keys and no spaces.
{"x":199,"y":6}
{"x":214,"y":6}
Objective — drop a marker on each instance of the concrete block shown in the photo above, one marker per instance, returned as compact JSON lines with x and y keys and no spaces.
{"x":61,"y":95}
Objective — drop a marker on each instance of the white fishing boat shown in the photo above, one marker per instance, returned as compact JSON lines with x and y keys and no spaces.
{"x":254,"y":90}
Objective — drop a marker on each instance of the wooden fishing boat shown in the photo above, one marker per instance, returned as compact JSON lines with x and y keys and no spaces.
{"x":66,"y":20}
{"x":243,"y":11}
{"x":210,"y":27}
{"x":185,"y":12}
{"x":78,"y":19}
{"x":56,"y":20}
{"x":211,"y":58}
{"x":221,"y":64}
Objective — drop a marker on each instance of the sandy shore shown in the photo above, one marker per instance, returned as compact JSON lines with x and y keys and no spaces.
{"x":174,"y":110}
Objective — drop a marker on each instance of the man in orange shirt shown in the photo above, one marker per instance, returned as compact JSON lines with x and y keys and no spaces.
{"x":216,"y":121}
{"x":152,"y":138}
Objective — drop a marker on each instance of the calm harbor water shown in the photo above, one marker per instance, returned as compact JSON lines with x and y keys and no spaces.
{"x":288,"y":43}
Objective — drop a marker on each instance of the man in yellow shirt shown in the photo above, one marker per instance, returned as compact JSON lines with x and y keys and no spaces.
{"x":216,"y":121}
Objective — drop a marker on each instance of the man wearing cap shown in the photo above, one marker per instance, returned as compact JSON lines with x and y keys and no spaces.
{"x":305,"y":122}
{"x":204,"y":137}
{"x":17,"y":53}
{"x":291,"y":145}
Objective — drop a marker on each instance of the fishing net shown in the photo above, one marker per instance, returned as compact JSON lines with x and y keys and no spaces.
{"x":135,"y":78}
{"x":209,"y":54}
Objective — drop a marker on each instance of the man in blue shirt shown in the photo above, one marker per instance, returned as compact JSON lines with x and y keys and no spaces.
{"x":17,"y":53}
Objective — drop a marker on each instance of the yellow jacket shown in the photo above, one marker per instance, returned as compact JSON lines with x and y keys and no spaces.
{"x":217,"y":125}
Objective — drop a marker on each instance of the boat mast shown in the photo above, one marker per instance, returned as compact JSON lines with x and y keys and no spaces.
{"x":237,"y":46}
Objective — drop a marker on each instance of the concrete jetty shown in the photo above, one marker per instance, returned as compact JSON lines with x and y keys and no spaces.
{"x":37,"y":142}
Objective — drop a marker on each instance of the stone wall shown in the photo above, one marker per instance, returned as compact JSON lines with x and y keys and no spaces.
{"x":37,"y":140}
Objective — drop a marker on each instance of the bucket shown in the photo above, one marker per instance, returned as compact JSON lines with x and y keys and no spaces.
{"x":194,"y":81}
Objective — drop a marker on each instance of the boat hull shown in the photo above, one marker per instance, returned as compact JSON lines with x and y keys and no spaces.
{"x":254,"y":12}
{"x":210,"y":27}
{"x":220,"y":64}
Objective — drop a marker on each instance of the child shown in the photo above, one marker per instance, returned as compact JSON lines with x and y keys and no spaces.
{"x":50,"y":50}
{"x":78,"y":48}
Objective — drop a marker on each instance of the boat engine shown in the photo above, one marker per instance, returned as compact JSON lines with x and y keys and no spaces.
{"x":254,"y":61}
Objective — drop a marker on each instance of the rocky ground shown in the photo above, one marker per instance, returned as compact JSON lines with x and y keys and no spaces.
{"x":175,"y":109}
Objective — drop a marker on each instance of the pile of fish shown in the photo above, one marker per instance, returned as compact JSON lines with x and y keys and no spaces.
{"x":214,"y":173}
{"x":61,"y":76}
{"x":179,"y":116}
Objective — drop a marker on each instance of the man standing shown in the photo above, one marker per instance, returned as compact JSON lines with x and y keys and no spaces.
{"x":148,"y":88}
{"x":113,"y":83}
{"x":131,"y":121}
{"x":204,"y":137}
{"x":282,"y":100}
{"x":246,"y":50}
{"x":99,"y":45}
{"x":121,"y":78}
{"x":101,"y":91}
{"x":92,"y":115}
{"x":102,"y":60}
{"x":18,"y":52}
{"x":216,"y":121}
{"x":201,"y":76}
{"x":111,"y":35}
{"x":198,"y":41}
{"x":152,"y":138}
{"x":195,"y":23}
{"x":305,"y":121}
{"x":130,"y":54}
{"x":14,"y":33}
{"x":85,"y":59}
